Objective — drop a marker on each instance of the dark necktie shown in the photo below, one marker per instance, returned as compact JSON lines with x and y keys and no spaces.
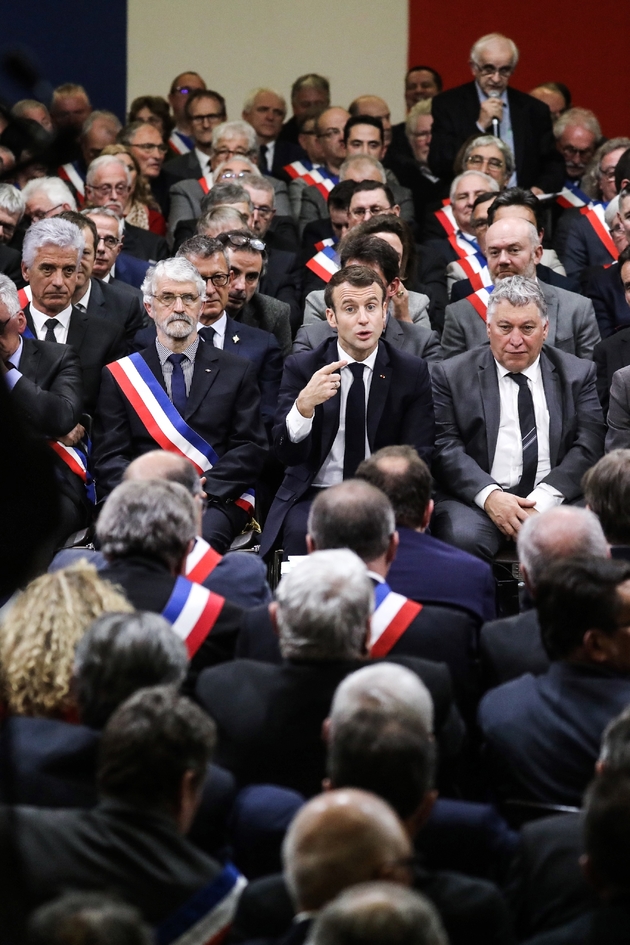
{"x":50,"y":324}
{"x":264,"y":166}
{"x":178,"y":384}
{"x":529,"y":436}
{"x":207,"y":334}
{"x":354,"y":452}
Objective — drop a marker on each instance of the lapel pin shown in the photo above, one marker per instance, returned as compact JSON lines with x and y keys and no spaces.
{"x":208,"y":370}
{"x":382,"y":376}
{"x":235,"y":339}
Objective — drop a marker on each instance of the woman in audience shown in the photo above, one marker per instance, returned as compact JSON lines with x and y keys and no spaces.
{"x":155,"y":110}
{"x":39,"y":634}
{"x":141,"y":209}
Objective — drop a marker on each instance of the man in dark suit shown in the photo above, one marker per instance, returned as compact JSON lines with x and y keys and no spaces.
{"x":323,"y":442}
{"x":618,"y":418}
{"x":523,"y":122}
{"x":129,"y":271}
{"x":204,"y":110}
{"x":610,"y":355}
{"x":265,"y":111}
{"x":606,"y":289}
{"x":50,"y":263}
{"x":214,"y":395}
{"x":494,"y":475}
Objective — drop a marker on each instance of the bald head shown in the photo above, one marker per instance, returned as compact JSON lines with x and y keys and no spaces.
{"x":563,"y":532}
{"x":339,"y":839}
{"x":513,"y":248}
{"x":354,"y":515}
{"x":158,"y":464}
{"x":405,"y":479}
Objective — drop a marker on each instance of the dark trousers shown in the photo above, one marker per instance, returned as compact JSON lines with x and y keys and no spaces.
{"x":221,"y":524}
{"x":294,"y":528}
{"x":467,"y":527}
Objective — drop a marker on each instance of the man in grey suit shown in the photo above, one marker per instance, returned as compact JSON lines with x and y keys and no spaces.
{"x":513,"y":248}
{"x":518,"y":424}
{"x":376,"y":254}
{"x":618,"y":435}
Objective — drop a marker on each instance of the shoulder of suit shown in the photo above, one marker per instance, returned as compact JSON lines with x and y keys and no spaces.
{"x":564,"y":296}
{"x":564,"y":361}
{"x":271,"y":305}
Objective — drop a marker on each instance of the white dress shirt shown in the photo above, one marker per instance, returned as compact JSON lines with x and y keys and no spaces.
{"x":220,"y":326}
{"x":83,"y":303}
{"x":204,"y":161}
{"x":507,"y":466}
{"x":271,"y":150}
{"x":298,"y":427}
{"x":61,"y":330}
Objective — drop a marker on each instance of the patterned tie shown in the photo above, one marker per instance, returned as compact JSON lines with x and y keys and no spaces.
{"x":50,"y":324}
{"x":354,"y":452}
{"x":207,"y":334}
{"x":178,"y":384}
{"x":529,"y":436}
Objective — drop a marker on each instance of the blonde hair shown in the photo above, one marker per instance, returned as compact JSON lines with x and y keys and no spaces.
{"x":40,"y":632}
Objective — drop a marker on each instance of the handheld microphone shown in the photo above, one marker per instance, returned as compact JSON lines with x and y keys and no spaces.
{"x":495,"y":121}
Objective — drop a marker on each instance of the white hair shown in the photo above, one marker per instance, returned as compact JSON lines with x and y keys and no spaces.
{"x":484,"y":141}
{"x":491,"y":38}
{"x":8,"y":295}
{"x":106,"y":160}
{"x":324,"y":605}
{"x":364,"y":159}
{"x":235,"y":129}
{"x":53,"y":187}
{"x":420,"y":108}
{"x":490,"y":181}
{"x":518,"y":291}
{"x":388,"y":689}
{"x":258,"y":182}
{"x":12,"y":200}
{"x":108,"y":118}
{"x":562,"y":532}
{"x":611,"y":212}
{"x":106,"y":212}
{"x":580,"y":118}
{"x":251,"y":167}
{"x":248,"y":104}
{"x":53,"y":232}
{"x":177,"y":268}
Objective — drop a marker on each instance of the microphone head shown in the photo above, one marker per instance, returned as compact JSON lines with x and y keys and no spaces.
{"x":494,"y":93}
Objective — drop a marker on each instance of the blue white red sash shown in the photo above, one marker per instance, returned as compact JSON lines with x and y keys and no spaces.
{"x":179,"y":143}
{"x":203,"y":183}
{"x":162,"y":421}
{"x":595,"y":216}
{"x":299,"y":169}
{"x":325,"y":264}
{"x":193,"y":611}
{"x":206,"y":917}
{"x":392,"y":615}
{"x":201,"y":561}
{"x":446,"y":218}
{"x":71,"y":175}
{"x":315,"y":175}
{"x":476,"y":271}
{"x":479,"y":300}
{"x":77,"y":463}
{"x":572,"y":197}
{"x":329,"y":241}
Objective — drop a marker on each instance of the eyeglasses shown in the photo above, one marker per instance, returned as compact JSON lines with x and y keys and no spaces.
{"x":462,"y":198}
{"x":4,"y":324}
{"x":38,"y":215}
{"x":504,"y":71}
{"x":8,"y":229}
{"x":264,"y":212}
{"x":233,"y":175}
{"x":199,"y":119}
{"x":183,"y":89}
{"x":479,"y":224}
{"x":569,"y":151}
{"x":239,"y":241}
{"x":150,"y":148}
{"x":110,"y":241}
{"x":331,"y":133}
{"x":219,"y":279}
{"x":224,"y":153}
{"x":476,"y":160}
{"x":168,"y":299}
{"x":360,"y":212}
{"x":608,"y":173}
{"x":104,"y":190}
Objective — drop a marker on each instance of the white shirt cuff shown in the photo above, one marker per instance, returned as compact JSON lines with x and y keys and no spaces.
{"x":298,"y":427}
{"x":480,"y":498}
{"x":545,"y":497}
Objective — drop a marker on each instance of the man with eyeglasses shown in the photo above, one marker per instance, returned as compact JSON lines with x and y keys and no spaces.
{"x":316,"y":187}
{"x":461,"y":242}
{"x":577,"y":133}
{"x":111,"y":264}
{"x":47,"y":197}
{"x":488,"y":105}
{"x":146,"y":144}
{"x":209,"y":397}
{"x":12,"y":209}
{"x":181,"y":87}
{"x":204,"y":111}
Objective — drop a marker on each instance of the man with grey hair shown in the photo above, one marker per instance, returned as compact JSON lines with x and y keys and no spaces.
{"x":310,"y":94}
{"x":455,"y":220}
{"x":188,"y":398}
{"x":488,"y":105}
{"x":46,"y":197}
{"x":12,"y":208}
{"x":577,"y":133}
{"x":111,"y":264}
{"x":513,"y":248}
{"x":512,"y":646}
{"x":518,"y":424}
{"x":146,"y":531}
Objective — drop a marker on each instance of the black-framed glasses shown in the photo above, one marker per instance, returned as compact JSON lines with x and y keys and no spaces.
{"x":219,"y":279}
{"x":240,"y":240}
{"x":4,"y":324}
{"x":265,"y":212}
{"x":110,"y":241}
{"x":224,"y":153}
{"x":477,"y":160}
{"x":104,"y":190}
{"x":504,"y":71}
{"x":37,"y":215}
{"x":199,"y":119}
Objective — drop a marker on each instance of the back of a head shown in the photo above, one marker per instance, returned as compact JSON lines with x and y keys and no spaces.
{"x":606,"y":488}
{"x":404,"y":478}
{"x":562,"y":532}
{"x":387,"y":689}
{"x":324,"y":606}
{"x":159,"y":464}
{"x":352,"y":515}
{"x":577,"y":595}
{"x":336,"y":840}
{"x":370,"y":250}
{"x":615,"y":749}
{"x":120,"y":654}
{"x":378,"y":914}
{"x":607,"y":833}
{"x":87,"y":919}
{"x":153,"y":739}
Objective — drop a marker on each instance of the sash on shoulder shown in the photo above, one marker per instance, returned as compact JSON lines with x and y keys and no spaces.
{"x":446,"y":218}
{"x":572,"y":197}
{"x":297,"y":169}
{"x":464,"y":247}
{"x":392,"y":616}
{"x":206,"y":917}
{"x":315,"y":176}
{"x":177,"y":144}
{"x":162,"y":421}
{"x":476,"y":271}
{"x":77,"y":463}
{"x":325,"y":264}
{"x":479,"y":300}
{"x":193,"y":611}
{"x":70,"y":174}
{"x":595,"y":216}
{"x":25,"y":297}
{"x":329,"y":241}
{"x":203,"y":183}
{"x":201,"y":561}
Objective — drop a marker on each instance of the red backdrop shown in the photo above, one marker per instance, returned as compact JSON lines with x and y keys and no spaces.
{"x":563,"y":41}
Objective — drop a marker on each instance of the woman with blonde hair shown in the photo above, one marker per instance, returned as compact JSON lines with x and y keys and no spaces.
{"x":39,"y":634}
{"x":141,"y":208}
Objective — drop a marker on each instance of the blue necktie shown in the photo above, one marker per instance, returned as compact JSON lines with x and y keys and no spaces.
{"x":178,"y":384}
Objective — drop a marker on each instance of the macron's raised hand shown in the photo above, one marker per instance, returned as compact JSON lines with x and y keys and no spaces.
{"x":323,"y":385}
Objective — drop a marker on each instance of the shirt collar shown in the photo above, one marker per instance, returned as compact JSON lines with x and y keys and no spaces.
{"x":376,"y":577}
{"x":531,"y":372}
{"x":204,"y":160}
{"x":17,"y":354}
{"x":85,"y":301}
{"x":368,"y":363}
{"x":165,"y":353}
{"x":40,"y":317}
{"x":220,"y":325}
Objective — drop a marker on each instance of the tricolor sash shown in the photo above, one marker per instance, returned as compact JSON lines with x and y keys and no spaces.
{"x":325,"y":264}
{"x":392,"y":616}
{"x":179,"y":143}
{"x":299,"y":169}
{"x":464,"y":247}
{"x":203,"y":183}
{"x":476,"y":271}
{"x":201,"y":561}
{"x":71,"y":175}
{"x":315,"y":176}
{"x":446,"y":218}
{"x":572,"y":197}
{"x":595,"y":216}
{"x":77,"y":463}
{"x":162,"y":421}
{"x":206,"y":918}
{"x":193,"y":611}
{"x":479,"y":300}
{"x":25,"y":296}
{"x":329,"y":241}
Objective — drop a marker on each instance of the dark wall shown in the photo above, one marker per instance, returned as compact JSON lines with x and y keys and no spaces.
{"x":82,"y":41}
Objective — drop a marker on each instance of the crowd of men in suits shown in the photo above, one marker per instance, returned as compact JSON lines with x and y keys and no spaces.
{"x":381,"y":358}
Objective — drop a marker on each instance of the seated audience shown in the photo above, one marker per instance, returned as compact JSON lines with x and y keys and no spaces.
{"x":555,"y":95}
{"x":46,"y":197}
{"x":451,"y":232}
{"x":489,"y":155}
{"x":310,"y":94}
{"x":87,"y":919}
{"x":265,"y":111}
{"x":147,"y":146}
{"x":605,"y":490}
{"x":309,"y":193}
{"x":608,"y":288}
{"x":182,"y":86}
{"x":153,"y":110}
{"x":141,"y":208}
{"x":112,"y":265}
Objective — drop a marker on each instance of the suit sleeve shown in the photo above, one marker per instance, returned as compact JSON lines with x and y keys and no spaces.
{"x":283,"y":205}
{"x":112,"y":439}
{"x":596,"y":293}
{"x":293,"y":381}
{"x":618,"y":436}
{"x":446,"y":137}
{"x":432,"y":350}
{"x":313,"y":207}
{"x":302,"y":341}
{"x":586,"y":329}
{"x":269,"y":380}
{"x":574,"y":254}
{"x":53,"y":412}
{"x":418,"y":427}
{"x":453,"y":337}
{"x":181,"y":209}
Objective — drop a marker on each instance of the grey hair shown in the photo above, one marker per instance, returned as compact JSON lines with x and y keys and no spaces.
{"x":324,"y":605}
{"x":365,"y":159}
{"x":518,"y":291}
{"x":107,"y":212}
{"x":258,"y":182}
{"x":562,"y":532}
{"x":12,"y":200}
{"x":54,"y":232}
{"x":252,"y":168}
{"x":590,"y":179}
{"x":177,"y":268}
{"x":248,"y":104}
{"x":100,"y":163}
{"x":219,"y":220}
{"x":234,"y":129}
{"x":582,"y":117}
{"x":378,"y":913}
{"x":387,"y":689}
{"x":53,"y":187}
{"x":489,"y":38}
{"x":491,"y":183}
{"x":225,"y":192}
{"x":148,"y":517}
{"x":484,"y":141}
{"x":100,"y":115}
{"x":420,"y":108}
{"x":611,"y":211}
{"x":8,"y":295}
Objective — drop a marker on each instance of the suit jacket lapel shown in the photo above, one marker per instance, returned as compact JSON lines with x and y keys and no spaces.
{"x":77,"y":328}
{"x":205,"y":373}
{"x":29,"y":319}
{"x":491,"y":402}
{"x":231,"y":329}
{"x":97,"y":302}
{"x":379,"y":389}
{"x":29,"y":360}
{"x":553,"y":396}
